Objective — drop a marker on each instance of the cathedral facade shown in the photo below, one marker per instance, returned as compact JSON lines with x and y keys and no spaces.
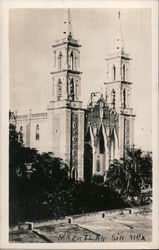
{"x":87,"y":139}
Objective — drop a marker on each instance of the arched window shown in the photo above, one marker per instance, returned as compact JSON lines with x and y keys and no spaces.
{"x":59,"y":89}
{"x":54,"y":58}
{"x":114,"y":72}
{"x":76,"y":62}
{"x":60,"y":61}
{"x":98,"y":165}
{"x":128,"y":98}
{"x":21,"y":134}
{"x":37,"y":132}
{"x":52,"y":86}
{"x":124,"y":98}
{"x":72,"y":94}
{"x":124,"y":72}
{"x":101,"y":145}
{"x":71,"y":60}
{"x":112,"y":147}
{"x":113,"y":96}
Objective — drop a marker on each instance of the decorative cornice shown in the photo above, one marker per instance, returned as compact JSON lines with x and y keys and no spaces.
{"x":123,"y":82}
{"x":67,"y":71}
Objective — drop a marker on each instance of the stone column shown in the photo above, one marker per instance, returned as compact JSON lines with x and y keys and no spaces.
{"x":80,"y":144}
{"x":107,"y":161}
{"x":117,"y":155}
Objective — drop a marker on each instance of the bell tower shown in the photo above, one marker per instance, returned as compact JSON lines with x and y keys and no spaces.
{"x":118,"y":90}
{"x":65,"y":108}
{"x":66,"y":61}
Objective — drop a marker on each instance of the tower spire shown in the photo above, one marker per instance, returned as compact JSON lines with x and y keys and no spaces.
{"x":120,"y":43}
{"x":67,"y":24}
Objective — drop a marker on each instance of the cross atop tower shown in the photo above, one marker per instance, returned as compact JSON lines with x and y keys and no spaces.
{"x":120,"y":43}
{"x":119,"y":14}
{"x":67,"y":24}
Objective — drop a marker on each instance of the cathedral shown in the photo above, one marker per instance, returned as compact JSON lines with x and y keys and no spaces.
{"x":87,"y":139}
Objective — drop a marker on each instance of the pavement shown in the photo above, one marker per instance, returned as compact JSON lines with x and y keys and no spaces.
{"x":133,"y":225}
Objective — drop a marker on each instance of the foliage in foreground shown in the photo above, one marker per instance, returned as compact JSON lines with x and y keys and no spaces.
{"x":40,"y":187}
{"x":130,"y":176}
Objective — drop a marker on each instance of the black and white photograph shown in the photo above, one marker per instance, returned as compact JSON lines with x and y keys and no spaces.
{"x":81,"y":125}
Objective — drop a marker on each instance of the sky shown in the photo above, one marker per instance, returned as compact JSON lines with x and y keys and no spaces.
{"x":32,"y":32}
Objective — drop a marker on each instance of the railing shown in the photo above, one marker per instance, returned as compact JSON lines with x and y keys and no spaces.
{"x":36,"y":115}
{"x":39,"y":114}
{"x":22,"y":116}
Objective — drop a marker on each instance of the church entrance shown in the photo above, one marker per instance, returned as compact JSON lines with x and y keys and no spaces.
{"x":88,"y":162}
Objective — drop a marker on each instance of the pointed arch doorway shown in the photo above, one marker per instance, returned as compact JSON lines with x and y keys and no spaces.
{"x":88,"y":162}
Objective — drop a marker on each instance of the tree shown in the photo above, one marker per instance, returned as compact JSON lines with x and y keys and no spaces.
{"x":145,"y":169}
{"x":15,"y":147}
{"x":29,"y":189}
{"x":126,"y":175}
{"x":98,"y":179}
